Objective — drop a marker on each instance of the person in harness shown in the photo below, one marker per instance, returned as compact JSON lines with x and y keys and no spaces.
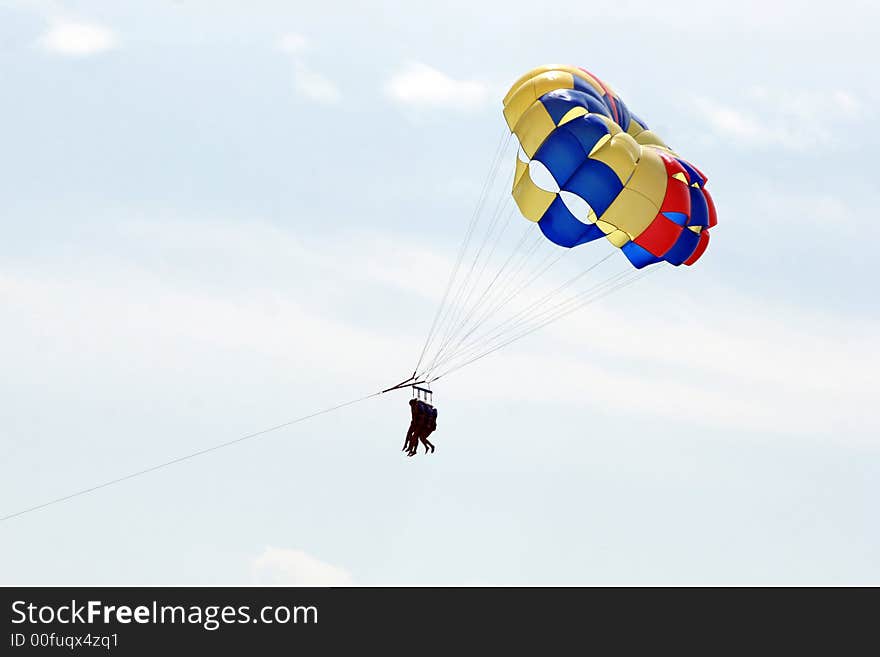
{"x":430,"y":428}
{"x":423,"y":424}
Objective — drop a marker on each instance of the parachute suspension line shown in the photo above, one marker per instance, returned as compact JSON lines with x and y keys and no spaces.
{"x":493,"y":306}
{"x":521,"y":320}
{"x":464,"y":287}
{"x":491,"y":290}
{"x":532,"y":317}
{"x":509,"y":289}
{"x":493,"y":333}
{"x":457,"y":282}
{"x":454,"y":336}
{"x":516,"y":252}
{"x":526,"y":316}
{"x":472,"y":224}
{"x":515,"y":282}
{"x":450,"y":335}
{"x":513,"y":291}
{"x":599,"y":291}
{"x":503,"y":340}
{"x":469,"y":285}
{"x":486,"y":261}
{"x":519,"y":257}
{"x":602,"y":285}
{"x":490,"y":176}
{"x":552,"y":319}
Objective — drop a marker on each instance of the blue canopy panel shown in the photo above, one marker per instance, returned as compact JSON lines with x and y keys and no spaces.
{"x":561,"y":227}
{"x":582,"y":85}
{"x":699,"y":208}
{"x":614,"y":106}
{"x":560,"y":101}
{"x":611,"y":109}
{"x":692,"y":173}
{"x":588,"y":130}
{"x":562,"y":154}
{"x":679,"y":218}
{"x":683,"y":248}
{"x":638,"y":256}
{"x":596,"y":183}
{"x":566,"y":148}
{"x":625,"y":116}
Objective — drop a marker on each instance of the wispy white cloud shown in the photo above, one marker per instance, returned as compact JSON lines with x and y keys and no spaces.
{"x":288,"y":567}
{"x":309,"y":83}
{"x":78,"y":39}
{"x":315,"y":86}
{"x":819,"y":210}
{"x":420,"y":85}
{"x":293,"y":43}
{"x":730,"y":121}
{"x":847,"y":103}
{"x":794,"y":120}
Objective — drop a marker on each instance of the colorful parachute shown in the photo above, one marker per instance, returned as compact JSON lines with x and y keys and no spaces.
{"x":609,"y":175}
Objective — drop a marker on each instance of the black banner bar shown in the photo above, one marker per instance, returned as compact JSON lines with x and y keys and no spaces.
{"x":177,"y":620}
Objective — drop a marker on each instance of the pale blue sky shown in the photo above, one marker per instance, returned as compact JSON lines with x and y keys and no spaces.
{"x":218,"y":216}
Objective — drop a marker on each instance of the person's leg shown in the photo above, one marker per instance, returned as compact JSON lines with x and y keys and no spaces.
{"x":410,"y":436}
{"x":427,"y":443}
{"x":414,"y":445}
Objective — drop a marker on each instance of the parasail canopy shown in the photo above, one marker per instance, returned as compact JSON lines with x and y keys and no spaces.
{"x":589,"y":168}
